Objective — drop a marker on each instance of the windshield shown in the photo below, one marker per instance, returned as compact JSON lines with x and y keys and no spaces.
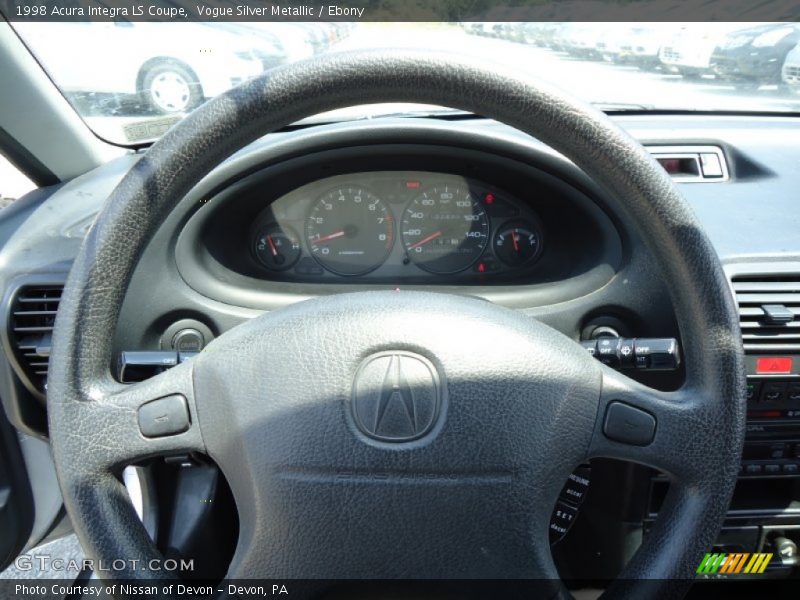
{"x":131,"y":81}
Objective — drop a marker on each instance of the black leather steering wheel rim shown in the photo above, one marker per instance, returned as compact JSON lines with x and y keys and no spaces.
{"x":90,"y":415}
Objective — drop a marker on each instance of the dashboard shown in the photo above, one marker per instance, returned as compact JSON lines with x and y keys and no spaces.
{"x":469,"y":208}
{"x":396,"y":215}
{"x":396,"y":224}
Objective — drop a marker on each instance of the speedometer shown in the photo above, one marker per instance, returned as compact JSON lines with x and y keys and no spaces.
{"x":445,"y":229}
{"x":350,"y":231}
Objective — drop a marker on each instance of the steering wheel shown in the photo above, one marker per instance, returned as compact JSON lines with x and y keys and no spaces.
{"x":362,"y":435}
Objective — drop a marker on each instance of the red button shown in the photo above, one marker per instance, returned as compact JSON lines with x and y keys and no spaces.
{"x":773,"y":364}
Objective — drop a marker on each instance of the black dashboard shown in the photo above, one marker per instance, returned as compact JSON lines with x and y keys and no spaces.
{"x":396,"y":226}
{"x":367,"y":215}
{"x":468,"y":207}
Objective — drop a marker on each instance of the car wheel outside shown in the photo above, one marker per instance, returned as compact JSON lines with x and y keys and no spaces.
{"x":170,"y":88}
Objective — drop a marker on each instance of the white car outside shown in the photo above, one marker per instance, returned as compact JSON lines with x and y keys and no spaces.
{"x":791,"y":68}
{"x":173,"y":65}
{"x":689,"y":51}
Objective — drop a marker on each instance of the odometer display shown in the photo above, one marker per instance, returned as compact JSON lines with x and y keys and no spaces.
{"x":445,"y":229}
{"x":350,"y":231}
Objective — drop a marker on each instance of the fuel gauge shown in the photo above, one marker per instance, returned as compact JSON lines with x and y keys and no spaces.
{"x":517,"y":243}
{"x":276,"y":247}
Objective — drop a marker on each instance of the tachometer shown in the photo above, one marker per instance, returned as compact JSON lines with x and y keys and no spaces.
{"x":445,"y":229}
{"x":350,"y":231}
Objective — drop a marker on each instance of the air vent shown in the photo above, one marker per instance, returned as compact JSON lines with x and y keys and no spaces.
{"x":33,"y":312}
{"x":692,"y":164}
{"x":769,"y":312}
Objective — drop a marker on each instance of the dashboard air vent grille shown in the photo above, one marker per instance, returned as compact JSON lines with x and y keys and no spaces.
{"x":33,"y":312}
{"x":769,"y":312}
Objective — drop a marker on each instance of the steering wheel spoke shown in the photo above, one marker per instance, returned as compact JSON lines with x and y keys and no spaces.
{"x":664,"y":430}
{"x":129,"y":423}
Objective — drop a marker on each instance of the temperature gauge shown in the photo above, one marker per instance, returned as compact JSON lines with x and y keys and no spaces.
{"x":276,"y":247}
{"x":517,"y":243}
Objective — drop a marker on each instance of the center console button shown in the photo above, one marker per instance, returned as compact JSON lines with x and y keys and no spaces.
{"x":753,"y":388}
{"x":773,"y":391}
{"x":777,"y":450}
{"x":793,"y":392}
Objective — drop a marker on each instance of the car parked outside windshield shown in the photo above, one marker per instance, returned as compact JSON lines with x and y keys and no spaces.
{"x":150,"y":75}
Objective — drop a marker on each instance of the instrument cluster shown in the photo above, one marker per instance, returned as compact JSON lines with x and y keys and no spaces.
{"x":395,"y":225}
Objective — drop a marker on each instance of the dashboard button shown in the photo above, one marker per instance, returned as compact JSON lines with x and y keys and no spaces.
{"x":629,"y":425}
{"x":577,"y":485}
{"x":793,"y":392}
{"x":772,"y":469}
{"x":791,"y":469}
{"x":753,"y":469}
{"x":773,"y":391}
{"x":753,"y":388}
{"x":561,"y":520}
{"x":188,"y":340}
{"x":777,"y":450}
{"x":590,"y":346}
{"x":165,"y":416}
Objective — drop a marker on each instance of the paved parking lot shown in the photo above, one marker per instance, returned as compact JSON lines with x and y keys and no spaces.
{"x":595,"y":80}
{"x":618,"y":86}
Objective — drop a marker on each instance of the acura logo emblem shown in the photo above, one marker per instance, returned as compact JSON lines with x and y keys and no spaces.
{"x":396,"y":396}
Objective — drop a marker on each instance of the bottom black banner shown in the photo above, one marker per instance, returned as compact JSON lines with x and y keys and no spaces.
{"x":33,"y":589}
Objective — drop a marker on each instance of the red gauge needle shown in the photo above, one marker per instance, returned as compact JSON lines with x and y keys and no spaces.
{"x":432,"y":236}
{"x":272,"y":246}
{"x":514,"y":239}
{"x":327,"y":238}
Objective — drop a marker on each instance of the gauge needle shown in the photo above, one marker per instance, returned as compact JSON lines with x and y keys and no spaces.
{"x":514,"y":239}
{"x":272,"y":246}
{"x":327,"y":238}
{"x":432,"y":236}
